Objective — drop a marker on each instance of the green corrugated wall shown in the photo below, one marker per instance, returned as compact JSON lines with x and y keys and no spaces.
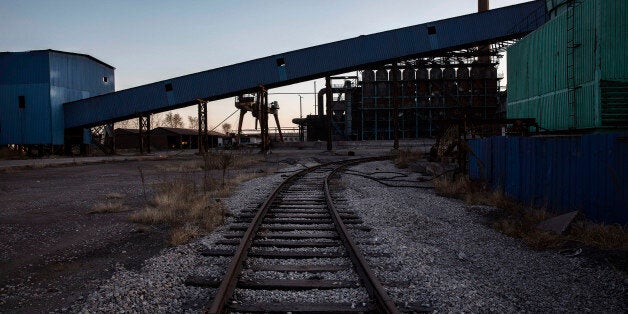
{"x":537,"y":66}
{"x":614,"y":40}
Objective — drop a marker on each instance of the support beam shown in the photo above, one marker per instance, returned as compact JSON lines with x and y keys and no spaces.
{"x":278,"y":125}
{"x":240,"y":120}
{"x":262,"y":101}
{"x":329,"y":99}
{"x":144,"y":133}
{"x":395,"y":100}
{"x":202,"y":127}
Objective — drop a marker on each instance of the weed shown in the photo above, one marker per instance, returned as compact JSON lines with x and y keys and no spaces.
{"x":405,"y":157}
{"x":610,"y":237}
{"x":108,"y":207}
{"x":143,"y":184}
{"x":115,"y":196}
{"x":180,"y":204}
{"x":519,"y":221}
{"x":184,"y":234}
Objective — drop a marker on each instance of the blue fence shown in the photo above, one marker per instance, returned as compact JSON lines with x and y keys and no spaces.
{"x":587,"y":173}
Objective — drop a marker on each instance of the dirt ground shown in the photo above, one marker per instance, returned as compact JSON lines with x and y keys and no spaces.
{"x":54,"y":251}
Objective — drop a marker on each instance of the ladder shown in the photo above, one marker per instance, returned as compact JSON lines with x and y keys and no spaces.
{"x":571,"y":75}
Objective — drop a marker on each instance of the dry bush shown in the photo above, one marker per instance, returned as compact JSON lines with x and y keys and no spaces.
{"x":184,"y":234}
{"x":235,"y":159}
{"x":542,"y":240}
{"x":180,"y":204}
{"x":610,"y":237}
{"x":181,"y":166}
{"x":216,"y":189}
{"x":108,"y":207}
{"x":405,"y":157}
{"x":517,"y":220}
{"x":458,"y":188}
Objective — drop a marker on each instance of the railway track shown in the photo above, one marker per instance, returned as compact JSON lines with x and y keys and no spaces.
{"x":298,"y":241}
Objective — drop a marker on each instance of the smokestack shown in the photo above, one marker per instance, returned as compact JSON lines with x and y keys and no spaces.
{"x":482,"y":5}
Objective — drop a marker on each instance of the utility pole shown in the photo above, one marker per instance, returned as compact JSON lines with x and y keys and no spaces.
{"x":300,"y":107}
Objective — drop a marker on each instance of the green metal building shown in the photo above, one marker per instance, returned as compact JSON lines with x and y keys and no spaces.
{"x":572,"y":73}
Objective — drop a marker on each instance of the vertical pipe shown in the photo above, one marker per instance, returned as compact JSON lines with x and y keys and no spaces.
{"x":148,"y":133}
{"x":395,"y":104}
{"x":329,"y":99}
{"x":140,"y":134}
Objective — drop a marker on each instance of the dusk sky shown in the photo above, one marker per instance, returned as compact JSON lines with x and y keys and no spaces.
{"x":148,"y":41}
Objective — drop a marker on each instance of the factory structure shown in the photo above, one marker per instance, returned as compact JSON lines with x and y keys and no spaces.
{"x":425,"y":96}
{"x":35,"y":85}
{"x":567,"y":75}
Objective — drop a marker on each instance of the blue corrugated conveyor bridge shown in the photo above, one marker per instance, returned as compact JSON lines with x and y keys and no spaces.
{"x":423,"y":40}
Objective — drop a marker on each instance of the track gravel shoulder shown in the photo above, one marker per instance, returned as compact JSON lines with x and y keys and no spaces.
{"x":443,"y":256}
{"x":158,"y":287}
{"x":448,"y":259}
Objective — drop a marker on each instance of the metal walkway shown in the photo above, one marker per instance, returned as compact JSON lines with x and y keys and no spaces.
{"x":339,"y":57}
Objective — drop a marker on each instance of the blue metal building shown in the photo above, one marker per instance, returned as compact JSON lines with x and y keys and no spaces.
{"x":34,"y":85}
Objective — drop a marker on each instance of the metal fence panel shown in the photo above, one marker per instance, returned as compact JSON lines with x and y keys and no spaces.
{"x":561,"y":174}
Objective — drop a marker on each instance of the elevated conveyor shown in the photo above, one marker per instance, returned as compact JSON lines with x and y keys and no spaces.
{"x":426,"y":39}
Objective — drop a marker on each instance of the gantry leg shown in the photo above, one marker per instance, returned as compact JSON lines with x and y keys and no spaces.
{"x":202,"y":127}
{"x":278,"y":126}
{"x":144,"y":133}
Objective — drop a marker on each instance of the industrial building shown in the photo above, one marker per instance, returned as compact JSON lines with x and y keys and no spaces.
{"x":166,"y":138}
{"x":34,"y":86}
{"x":409,"y":83}
{"x":567,"y":75}
{"x":571,"y":74}
{"x":426,"y":95}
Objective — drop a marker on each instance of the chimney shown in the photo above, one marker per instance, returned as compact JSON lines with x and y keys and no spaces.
{"x":482,"y":5}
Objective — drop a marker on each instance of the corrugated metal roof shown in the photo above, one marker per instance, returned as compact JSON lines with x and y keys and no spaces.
{"x":309,"y":63}
{"x":46,"y":51}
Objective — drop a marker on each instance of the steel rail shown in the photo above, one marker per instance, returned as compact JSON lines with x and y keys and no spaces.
{"x":230,"y":280}
{"x":374,"y":288}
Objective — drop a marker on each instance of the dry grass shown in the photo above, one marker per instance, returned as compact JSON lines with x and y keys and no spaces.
{"x":108,"y":207}
{"x":184,"y":234}
{"x":404,"y":157}
{"x":115,"y":196}
{"x":457,"y":188}
{"x":609,"y":237}
{"x":191,"y":209}
{"x":188,"y":209}
{"x":233,"y":159}
{"x":519,"y":221}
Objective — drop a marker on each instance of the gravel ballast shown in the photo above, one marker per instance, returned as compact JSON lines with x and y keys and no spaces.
{"x":446,"y":258}
{"x":441,"y":256}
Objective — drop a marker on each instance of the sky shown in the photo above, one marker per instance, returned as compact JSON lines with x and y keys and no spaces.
{"x":152,"y":40}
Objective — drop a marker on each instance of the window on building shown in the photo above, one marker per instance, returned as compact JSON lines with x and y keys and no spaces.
{"x":21,"y":102}
{"x":431,"y":30}
{"x":169,"y":87}
{"x":105,"y":79}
